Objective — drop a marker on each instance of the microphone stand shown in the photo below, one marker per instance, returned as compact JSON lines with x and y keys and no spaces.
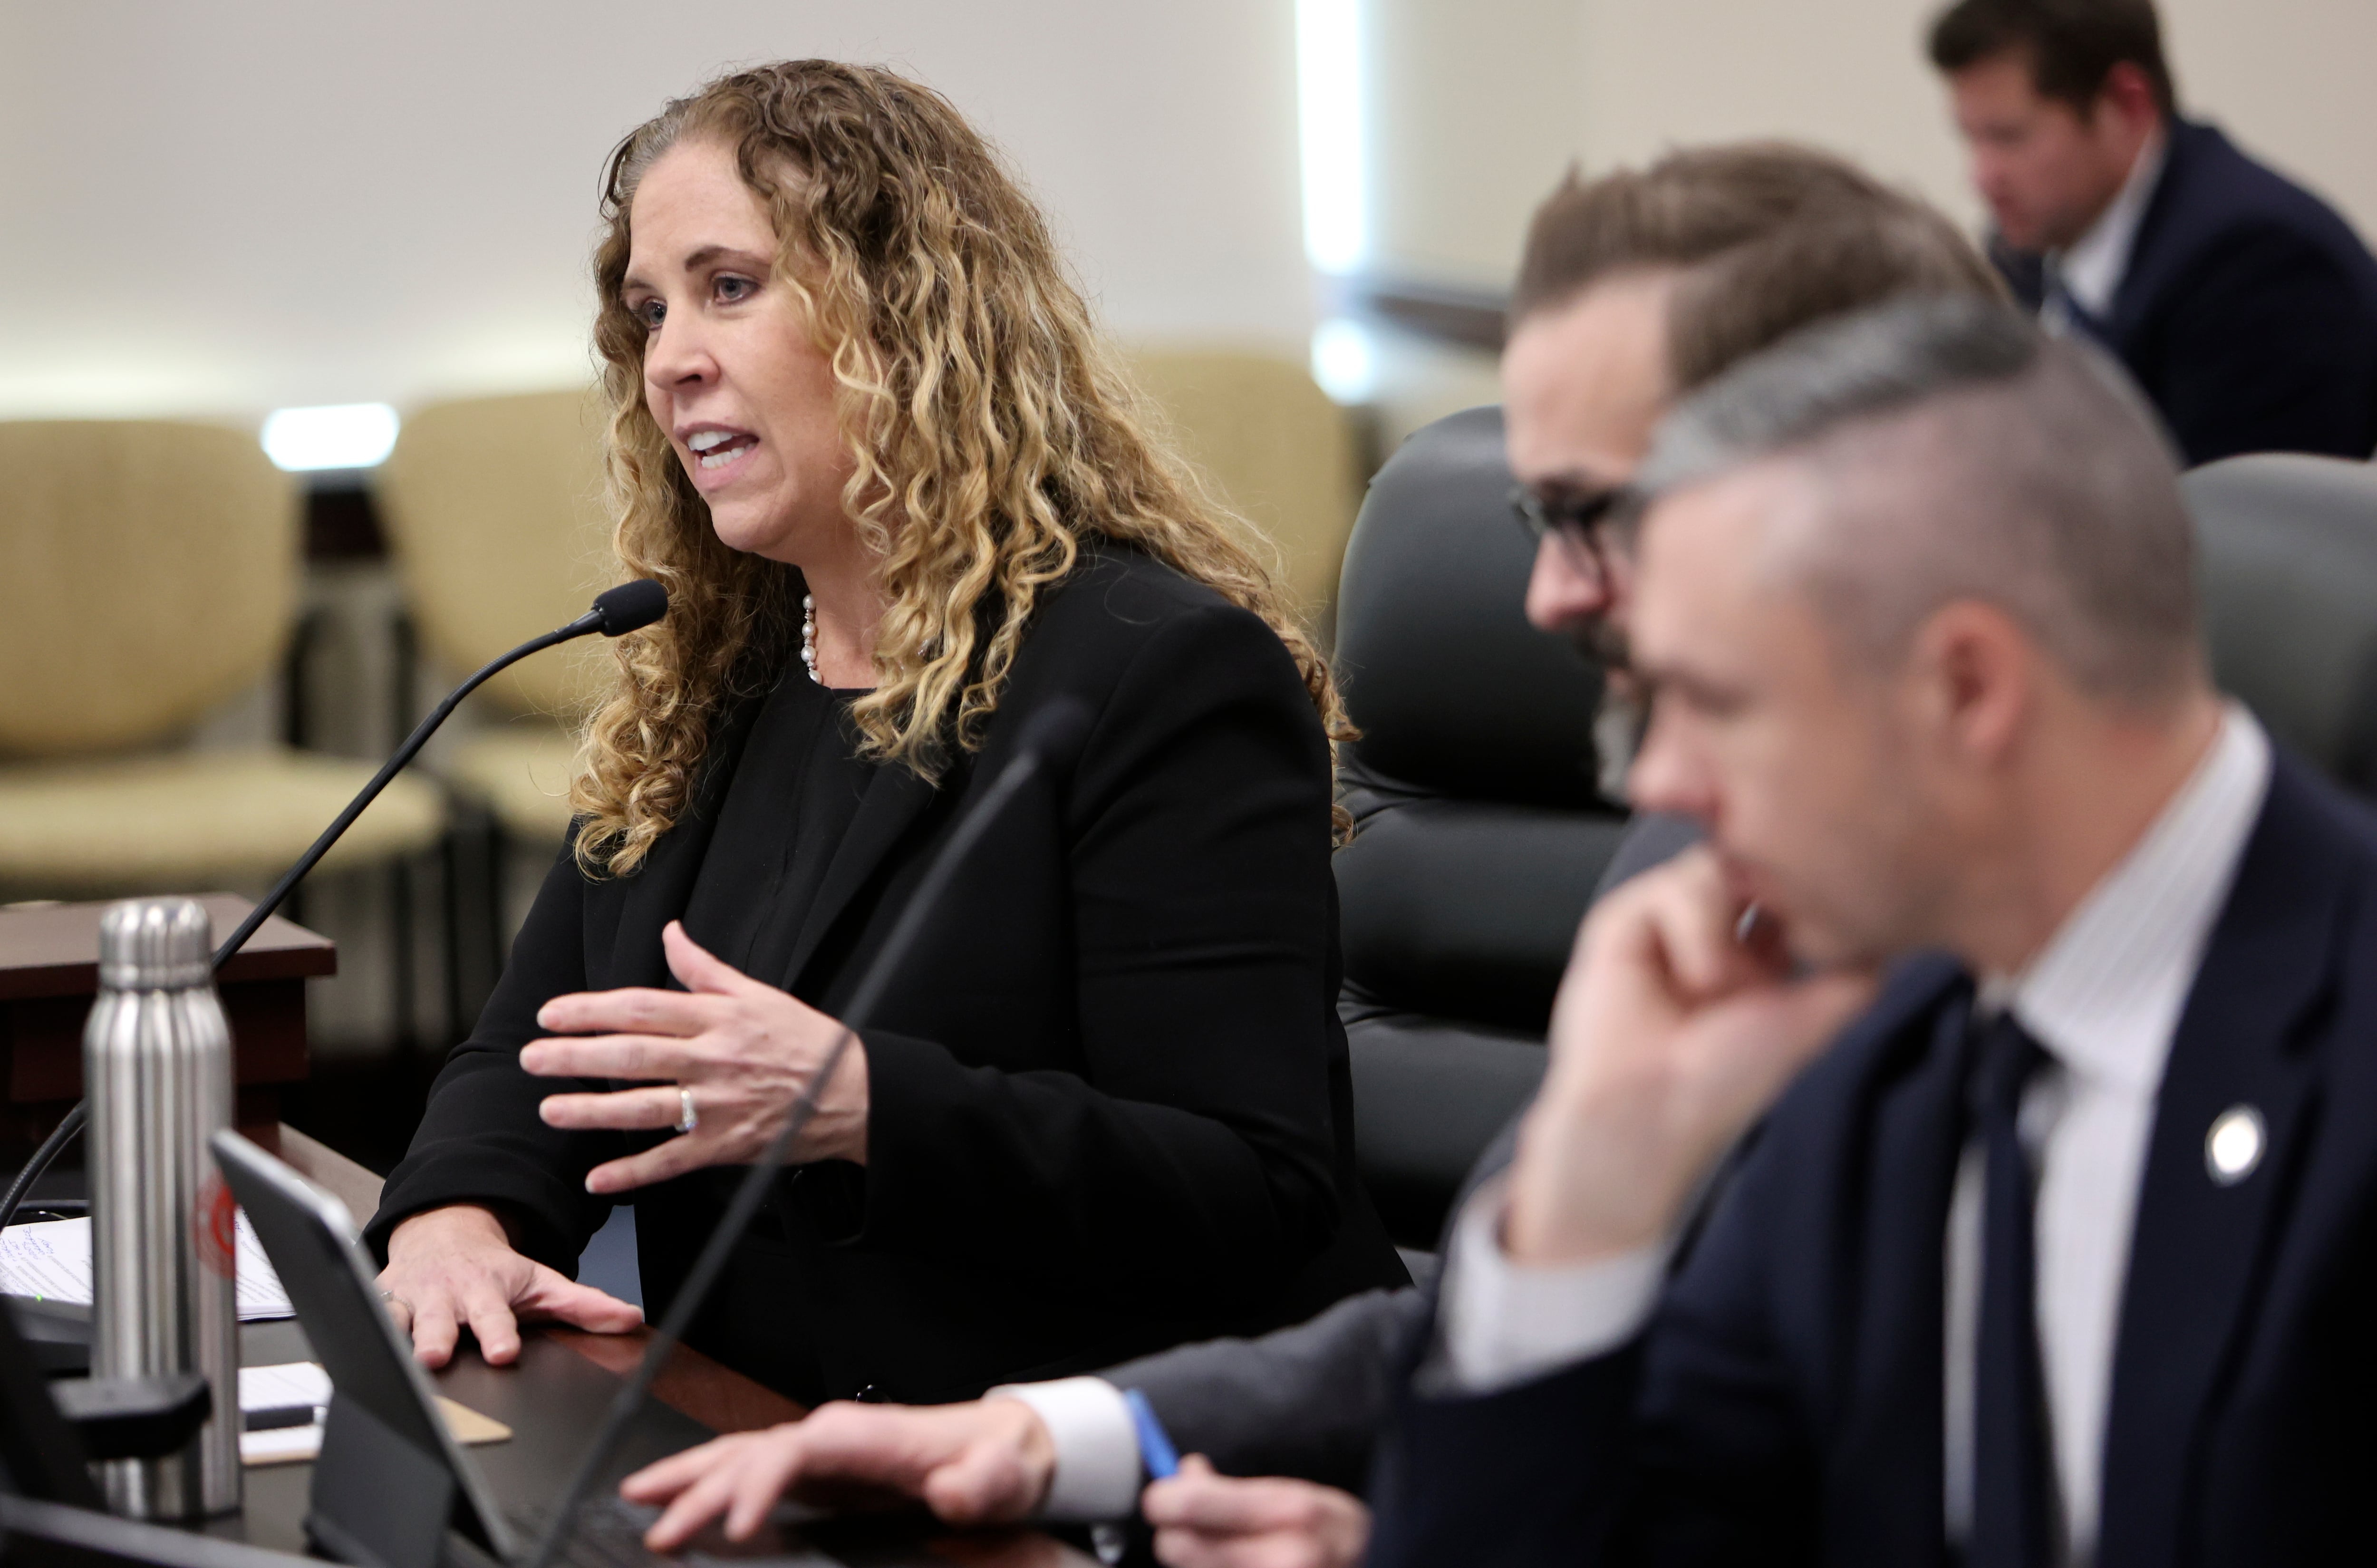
{"x":1055,"y":731}
{"x":618,"y":611}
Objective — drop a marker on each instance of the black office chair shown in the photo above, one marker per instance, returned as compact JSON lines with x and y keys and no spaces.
{"x":1481,"y":832}
{"x":2288,"y":564}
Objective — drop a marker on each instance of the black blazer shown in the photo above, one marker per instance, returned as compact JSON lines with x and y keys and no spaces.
{"x":1785,"y":1404}
{"x":1109,"y":1100}
{"x":2248,"y":311}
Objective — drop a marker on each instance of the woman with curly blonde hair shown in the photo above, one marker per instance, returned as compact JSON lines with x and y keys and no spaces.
{"x":863,"y":429}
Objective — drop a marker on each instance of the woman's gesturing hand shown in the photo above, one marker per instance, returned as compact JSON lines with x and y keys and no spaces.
{"x":735,"y":1051}
{"x":454,"y":1268}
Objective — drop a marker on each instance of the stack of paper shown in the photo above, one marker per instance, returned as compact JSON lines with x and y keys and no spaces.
{"x":303,"y":1382}
{"x":273,"y":1388}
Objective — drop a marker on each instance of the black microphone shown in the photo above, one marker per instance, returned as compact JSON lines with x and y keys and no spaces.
{"x":1050,"y":742}
{"x":618,"y":611}
{"x":631,"y":606}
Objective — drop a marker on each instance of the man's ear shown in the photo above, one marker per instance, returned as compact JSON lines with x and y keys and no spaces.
{"x":2127,"y":92}
{"x":1974,"y":676}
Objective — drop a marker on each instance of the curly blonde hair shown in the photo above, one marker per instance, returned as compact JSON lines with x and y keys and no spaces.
{"x":992,"y":429}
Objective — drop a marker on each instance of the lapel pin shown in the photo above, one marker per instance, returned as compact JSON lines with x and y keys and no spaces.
{"x":2234,"y":1145}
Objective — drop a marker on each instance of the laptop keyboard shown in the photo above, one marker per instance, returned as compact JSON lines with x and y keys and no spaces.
{"x":609,"y":1533}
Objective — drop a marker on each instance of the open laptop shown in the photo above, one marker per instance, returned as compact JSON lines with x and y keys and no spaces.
{"x":391,"y":1481}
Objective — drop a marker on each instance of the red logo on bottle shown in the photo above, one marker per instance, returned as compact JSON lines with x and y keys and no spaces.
{"x":215,"y":1227}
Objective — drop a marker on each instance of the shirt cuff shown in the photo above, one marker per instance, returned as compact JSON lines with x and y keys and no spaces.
{"x":1097,"y":1473}
{"x":1503,"y":1323}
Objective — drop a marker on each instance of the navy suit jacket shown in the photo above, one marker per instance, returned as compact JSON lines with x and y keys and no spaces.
{"x":1784,"y":1405}
{"x":2248,"y":311}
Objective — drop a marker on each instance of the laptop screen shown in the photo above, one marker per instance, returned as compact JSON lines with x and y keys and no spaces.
{"x":311,"y":1240}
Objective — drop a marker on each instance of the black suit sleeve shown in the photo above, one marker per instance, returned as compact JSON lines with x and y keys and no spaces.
{"x":1191,"y":1161}
{"x":1685,"y":1445}
{"x":2269,"y":348}
{"x":481,"y":1139}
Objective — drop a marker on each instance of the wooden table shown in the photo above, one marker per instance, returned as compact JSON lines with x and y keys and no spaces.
{"x":553,"y":1397}
{"x":719,"y":1397}
{"x":48,"y":972}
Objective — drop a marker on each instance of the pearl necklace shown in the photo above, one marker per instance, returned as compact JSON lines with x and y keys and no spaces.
{"x":809,"y":637}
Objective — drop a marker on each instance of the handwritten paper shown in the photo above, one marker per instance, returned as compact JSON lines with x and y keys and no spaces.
{"x":51,"y":1262}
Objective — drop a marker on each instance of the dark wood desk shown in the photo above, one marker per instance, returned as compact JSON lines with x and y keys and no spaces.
{"x":554,"y":1397}
{"x":48,"y":972}
{"x":722,"y":1400}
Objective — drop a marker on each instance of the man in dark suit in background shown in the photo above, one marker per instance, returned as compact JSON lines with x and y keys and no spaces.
{"x":1634,"y":286}
{"x":2062,"y":1252}
{"x":2243,"y":305}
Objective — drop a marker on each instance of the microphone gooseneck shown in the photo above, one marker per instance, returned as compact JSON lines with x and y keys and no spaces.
{"x":618,"y":611}
{"x":1051,"y":738}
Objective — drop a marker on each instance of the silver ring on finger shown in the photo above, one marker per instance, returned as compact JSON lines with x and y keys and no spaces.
{"x":392,"y":1296}
{"x":688,"y":1118}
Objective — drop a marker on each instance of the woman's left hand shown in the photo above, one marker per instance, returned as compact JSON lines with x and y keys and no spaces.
{"x":741,"y":1051}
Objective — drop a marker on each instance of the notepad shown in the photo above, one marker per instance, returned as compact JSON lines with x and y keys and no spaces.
{"x":304,"y":1383}
{"x":51,"y":1262}
{"x":292,"y":1382}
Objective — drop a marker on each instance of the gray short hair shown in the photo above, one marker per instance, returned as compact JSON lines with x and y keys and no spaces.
{"x":1960,"y":453}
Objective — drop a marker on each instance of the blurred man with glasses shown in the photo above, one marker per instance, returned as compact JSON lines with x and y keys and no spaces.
{"x":1577,"y":528}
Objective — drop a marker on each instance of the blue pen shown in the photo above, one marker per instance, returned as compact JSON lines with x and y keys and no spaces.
{"x":1155,"y":1450}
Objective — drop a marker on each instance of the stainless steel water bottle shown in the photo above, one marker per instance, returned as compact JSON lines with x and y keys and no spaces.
{"x":157,"y":1070}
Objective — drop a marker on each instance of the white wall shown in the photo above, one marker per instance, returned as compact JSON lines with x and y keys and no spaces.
{"x":217,"y":209}
{"x":222,"y":208}
{"x":2290,"y":80}
{"x":1473,"y":113}
{"x":1845,"y":74}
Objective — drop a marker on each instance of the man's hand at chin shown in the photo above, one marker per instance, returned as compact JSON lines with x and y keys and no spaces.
{"x":983,"y":1462}
{"x":1204,"y":1519}
{"x":1677,"y":1024}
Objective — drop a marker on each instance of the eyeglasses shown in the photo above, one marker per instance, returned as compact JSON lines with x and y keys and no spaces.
{"x":1580,"y":521}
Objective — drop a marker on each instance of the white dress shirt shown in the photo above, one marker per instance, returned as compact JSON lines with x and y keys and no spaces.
{"x":2104,"y":999}
{"x":1098,"y":1473}
{"x":2091,"y":268}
